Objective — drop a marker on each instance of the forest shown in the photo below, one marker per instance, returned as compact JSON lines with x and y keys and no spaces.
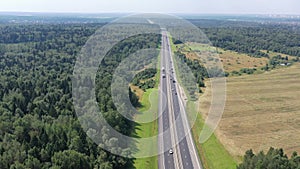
{"x":38,"y":125}
{"x":39,"y":128}
{"x":251,"y":40}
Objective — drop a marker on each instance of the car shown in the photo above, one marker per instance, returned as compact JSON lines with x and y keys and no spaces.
{"x":171,"y":151}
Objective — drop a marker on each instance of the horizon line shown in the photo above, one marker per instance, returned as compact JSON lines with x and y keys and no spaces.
{"x":128,"y":12}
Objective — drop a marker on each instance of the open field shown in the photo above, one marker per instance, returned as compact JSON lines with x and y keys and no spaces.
{"x":236,"y":61}
{"x":232,"y":61}
{"x":261,"y":110}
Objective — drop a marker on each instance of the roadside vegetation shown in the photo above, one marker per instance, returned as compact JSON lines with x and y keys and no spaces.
{"x":143,"y":130}
{"x":148,"y":99}
{"x":213,"y":154}
{"x":144,"y":80}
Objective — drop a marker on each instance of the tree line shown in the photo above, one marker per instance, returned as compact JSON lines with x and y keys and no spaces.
{"x":273,"y":159}
{"x":252,"y":39}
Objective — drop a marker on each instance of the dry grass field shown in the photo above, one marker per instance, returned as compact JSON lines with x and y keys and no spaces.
{"x":138,"y":91}
{"x":235,"y":61}
{"x":232,"y":61}
{"x":261,"y":110}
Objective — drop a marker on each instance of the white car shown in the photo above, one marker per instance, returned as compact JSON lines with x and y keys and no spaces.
{"x":171,"y":151}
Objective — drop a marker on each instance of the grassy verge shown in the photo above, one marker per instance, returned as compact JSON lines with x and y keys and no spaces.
{"x":213,"y":154}
{"x":150,"y":106}
{"x":149,"y":109}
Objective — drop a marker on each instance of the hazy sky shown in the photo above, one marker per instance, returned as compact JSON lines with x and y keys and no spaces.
{"x":155,"y":6}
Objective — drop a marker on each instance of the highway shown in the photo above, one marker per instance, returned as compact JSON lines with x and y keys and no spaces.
{"x":173,"y":118}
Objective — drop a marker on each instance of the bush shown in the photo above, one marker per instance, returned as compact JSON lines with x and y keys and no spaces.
{"x":247,"y":70}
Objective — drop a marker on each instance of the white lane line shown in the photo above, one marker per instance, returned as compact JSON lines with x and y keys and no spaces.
{"x":190,"y":141}
{"x":172,"y":126}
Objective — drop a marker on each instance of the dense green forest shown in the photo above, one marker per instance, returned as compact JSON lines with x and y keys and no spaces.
{"x":38,"y":125}
{"x":273,"y":159}
{"x":251,"y":40}
{"x":39,"y":128}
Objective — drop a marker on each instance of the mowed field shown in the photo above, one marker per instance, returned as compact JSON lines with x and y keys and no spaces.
{"x":261,"y":110}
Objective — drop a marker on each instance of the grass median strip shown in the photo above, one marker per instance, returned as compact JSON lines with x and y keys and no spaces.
{"x":149,"y":110}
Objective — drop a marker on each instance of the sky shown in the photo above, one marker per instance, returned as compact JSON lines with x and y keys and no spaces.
{"x":154,"y":6}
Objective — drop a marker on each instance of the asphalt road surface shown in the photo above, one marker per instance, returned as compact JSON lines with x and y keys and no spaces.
{"x":173,"y":118}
